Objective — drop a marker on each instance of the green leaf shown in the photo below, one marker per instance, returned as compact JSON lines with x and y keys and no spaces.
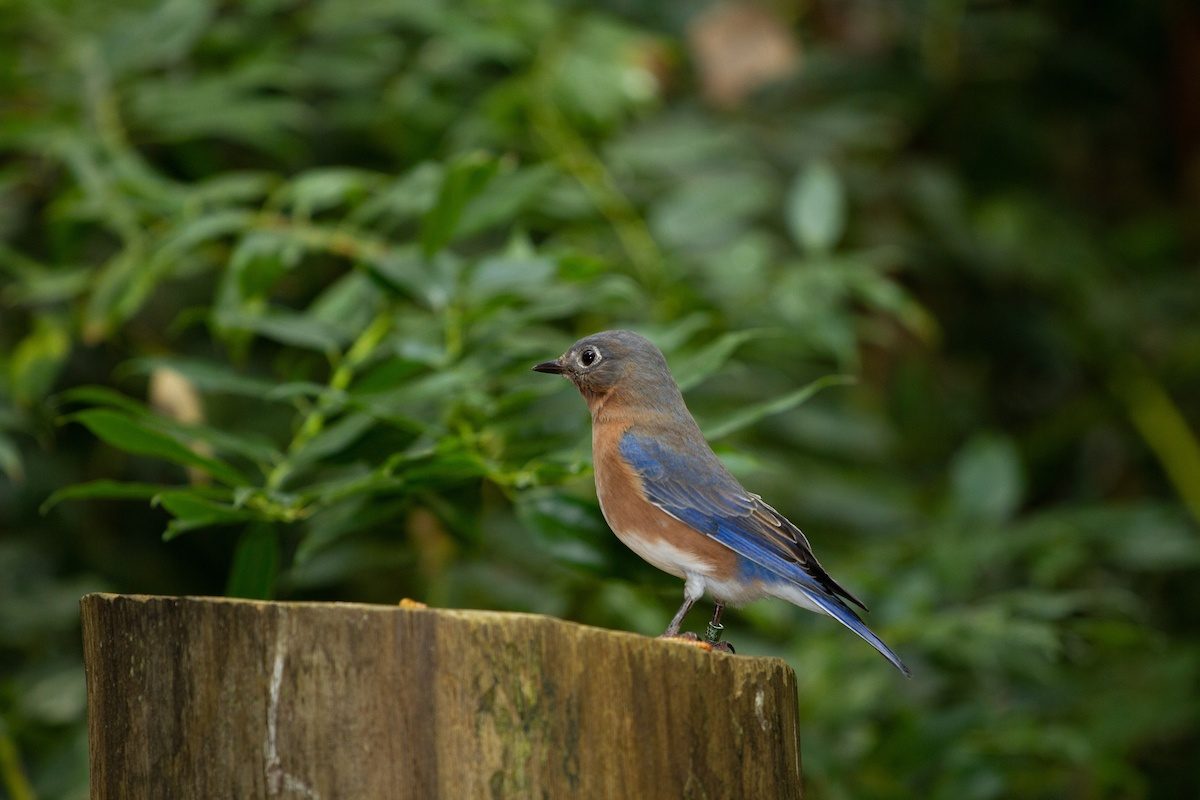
{"x":117,"y":490}
{"x":228,"y":188}
{"x":324,"y":188}
{"x":752,"y":414}
{"x":523,"y":277}
{"x":255,"y":564}
{"x":418,"y":400}
{"x":35,"y":284}
{"x":594,"y":81}
{"x":503,"y":198}
{"x":188,"y":504}
{"x":111,"y":284}
{"x":127,"y":281}
{"x":258,"y":261}
{"x":409,"y":196}
{"x":708,"y":210}
{"x":192,"y":511}
{"x":374,"y":482}
{"x":678,"y":146}
{"x":129,"y":434}
{"x":465,"y":179}
{"x":335,"y":521}
{"x":102,"y":396}
{"x":986,"y":479}
{"x":211,"y":376}
{"x":242,"y":443}
{"x":693,"y":369}
{"x":679,"y":331}
{"x":37,"y":359}
{"x":1160,"y":541}
{"x":288,"y":328}
{"x":53,"y":694}
{"x":816,"y":208}
{"x":10,"y":459}
{"x":429,"y":281}
{"x":181,"y":109}
{"x":568,"y":528}
{"x":248,"y":445}
{"x":191,"y":232}
{"x":160,"y":36}
{"x":346,"y":305}
{"x":880,"y":291}
{"x":448,"y":468}
{"x":334,"y":438}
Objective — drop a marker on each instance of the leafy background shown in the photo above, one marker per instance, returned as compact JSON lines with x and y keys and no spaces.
{"x":273,"y":274}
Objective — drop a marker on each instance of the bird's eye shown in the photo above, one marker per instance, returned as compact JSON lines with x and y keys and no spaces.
{"x":589,"y":357}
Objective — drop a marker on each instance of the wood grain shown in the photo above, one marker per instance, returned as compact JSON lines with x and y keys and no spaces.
{"x":216,"y":698}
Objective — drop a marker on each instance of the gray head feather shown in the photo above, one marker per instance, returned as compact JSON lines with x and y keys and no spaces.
{"x":622,"y":361}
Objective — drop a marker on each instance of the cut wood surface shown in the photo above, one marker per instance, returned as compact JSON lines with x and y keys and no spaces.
{"x":216,"y":698}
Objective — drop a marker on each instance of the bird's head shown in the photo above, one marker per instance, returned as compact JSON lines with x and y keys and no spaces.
{"x":602,"y":362}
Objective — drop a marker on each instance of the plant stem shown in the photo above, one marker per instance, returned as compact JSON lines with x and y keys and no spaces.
{"x":15,"y":781}
{"x":1164,"y":428}
{"x":343,"y":374}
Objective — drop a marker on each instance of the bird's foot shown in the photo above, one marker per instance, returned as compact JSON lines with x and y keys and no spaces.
{"x":712,"y":634}
{"x":687,"y":637}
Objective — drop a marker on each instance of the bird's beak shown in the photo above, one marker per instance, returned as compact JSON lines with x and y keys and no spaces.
{"x":552,"y":367}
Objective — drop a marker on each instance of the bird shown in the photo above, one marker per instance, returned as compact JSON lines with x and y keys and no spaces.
{"x":669,"y":499}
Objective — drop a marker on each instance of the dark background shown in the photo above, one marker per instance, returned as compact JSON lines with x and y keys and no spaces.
{"x":280,"y":269}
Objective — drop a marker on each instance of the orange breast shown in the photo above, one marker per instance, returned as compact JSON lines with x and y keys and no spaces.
{"x":659,"y":538}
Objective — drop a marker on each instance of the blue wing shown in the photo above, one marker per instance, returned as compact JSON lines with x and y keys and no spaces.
{"x":691,"y":484}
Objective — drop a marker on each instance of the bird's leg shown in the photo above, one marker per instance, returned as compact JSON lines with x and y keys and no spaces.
{"x":713,"y":634}
{"x":693,"y":590}
{"x":673,"y":629}
{"x":715,"y":629}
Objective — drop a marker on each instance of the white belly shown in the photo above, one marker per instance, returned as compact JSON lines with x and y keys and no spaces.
{"x":697,"y":572}
{"x":651,"y":536}
{"x":664,"y":555}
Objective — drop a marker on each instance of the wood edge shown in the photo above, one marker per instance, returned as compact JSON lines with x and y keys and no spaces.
{"x":92,"y":603}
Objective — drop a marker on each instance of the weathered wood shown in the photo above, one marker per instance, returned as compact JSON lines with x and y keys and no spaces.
{"x":213,"y":698}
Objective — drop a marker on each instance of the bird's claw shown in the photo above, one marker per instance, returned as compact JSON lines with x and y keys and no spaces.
{"x":687,"y":637}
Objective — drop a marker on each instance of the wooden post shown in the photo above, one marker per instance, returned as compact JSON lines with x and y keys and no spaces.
{"x":211,"y":698}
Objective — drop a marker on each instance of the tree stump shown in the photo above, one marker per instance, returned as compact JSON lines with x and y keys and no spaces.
{"x":216,"y":698}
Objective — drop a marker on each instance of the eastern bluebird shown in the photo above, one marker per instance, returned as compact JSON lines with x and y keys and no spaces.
{"x":670,"y":500}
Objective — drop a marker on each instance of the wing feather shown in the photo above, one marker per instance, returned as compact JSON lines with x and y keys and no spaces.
{"x":694,"y":487}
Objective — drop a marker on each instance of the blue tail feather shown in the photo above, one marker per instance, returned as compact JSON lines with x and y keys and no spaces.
{"x":845,"y":615}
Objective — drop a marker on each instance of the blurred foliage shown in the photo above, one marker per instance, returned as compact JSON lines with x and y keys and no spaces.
{"x":274,"y":274}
